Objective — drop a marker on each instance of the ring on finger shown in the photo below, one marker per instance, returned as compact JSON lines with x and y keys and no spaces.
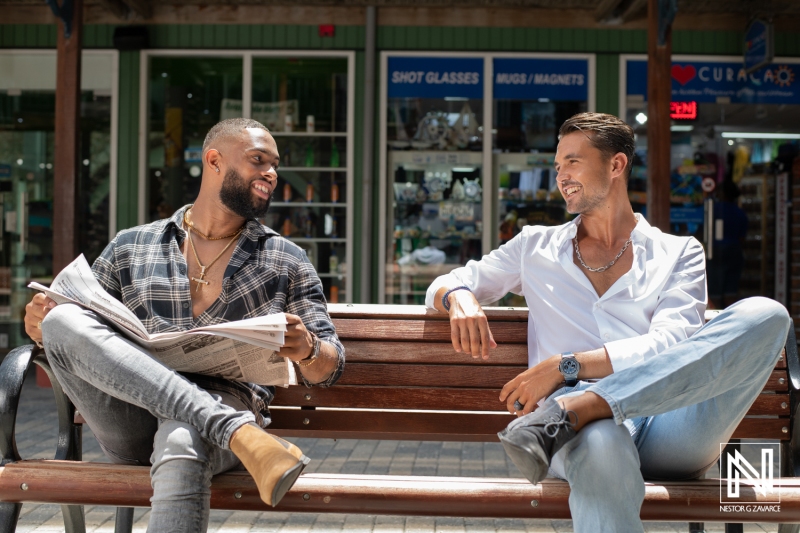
{"x":518,"y":406}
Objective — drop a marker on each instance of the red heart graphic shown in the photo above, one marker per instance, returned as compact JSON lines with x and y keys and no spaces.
{"x":683,"y":75}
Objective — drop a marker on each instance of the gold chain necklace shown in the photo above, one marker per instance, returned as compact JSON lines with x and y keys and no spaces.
{"x":203,"y":268}
{"x":188,"y":223}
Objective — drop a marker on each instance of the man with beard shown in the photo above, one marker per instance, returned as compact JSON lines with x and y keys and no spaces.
{"x":636,"y":386}
{"x":211,"y":262}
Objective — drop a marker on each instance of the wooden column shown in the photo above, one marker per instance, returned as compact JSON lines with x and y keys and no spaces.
{"x":659,"y":93}
{"x":67,"y":138}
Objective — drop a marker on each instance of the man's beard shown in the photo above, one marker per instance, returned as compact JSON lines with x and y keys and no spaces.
{"x":236,"y":195}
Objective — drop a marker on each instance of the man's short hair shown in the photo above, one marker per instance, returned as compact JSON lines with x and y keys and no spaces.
{"x":230,"y":127}
{"x":607,"y":133}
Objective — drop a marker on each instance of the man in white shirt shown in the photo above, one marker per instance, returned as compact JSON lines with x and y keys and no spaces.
{"x":615,"y":300}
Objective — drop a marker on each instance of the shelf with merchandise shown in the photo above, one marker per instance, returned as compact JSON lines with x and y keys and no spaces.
{"x":309,"y":204}
{"x":311,"y":169}
{"x":308,"y":133}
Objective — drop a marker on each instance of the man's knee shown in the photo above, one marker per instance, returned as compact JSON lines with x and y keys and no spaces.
{"x":61,"y":326}
{"x":767,"y":315}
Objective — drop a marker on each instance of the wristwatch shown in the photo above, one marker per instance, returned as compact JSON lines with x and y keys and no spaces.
{"x":308,"y":361}
{"x":569,"y":368}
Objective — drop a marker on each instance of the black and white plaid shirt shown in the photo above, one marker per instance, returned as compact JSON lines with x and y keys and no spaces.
{"x":144,"y":268}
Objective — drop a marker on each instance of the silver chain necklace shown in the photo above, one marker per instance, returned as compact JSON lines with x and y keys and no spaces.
{"x":602,"y":268}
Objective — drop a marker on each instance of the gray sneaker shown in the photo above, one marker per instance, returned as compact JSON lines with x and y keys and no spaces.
{"x":532,"y":440}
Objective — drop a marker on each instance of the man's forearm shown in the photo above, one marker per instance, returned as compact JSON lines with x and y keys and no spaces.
{"x":324,"y":366}
{"x":595,"y":364}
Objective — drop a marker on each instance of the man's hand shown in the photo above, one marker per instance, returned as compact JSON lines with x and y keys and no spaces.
{"x":298,"y":341}
{"x":469,"y":328}
{"x":532,"y":385}
{"x":35,"y":312}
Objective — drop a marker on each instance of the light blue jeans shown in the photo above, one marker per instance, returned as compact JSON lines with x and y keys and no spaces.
{"x":671,"y":413}
{"x":143,"y":413}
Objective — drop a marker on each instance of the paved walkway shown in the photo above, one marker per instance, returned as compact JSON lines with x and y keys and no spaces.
{"x":37,"y":434}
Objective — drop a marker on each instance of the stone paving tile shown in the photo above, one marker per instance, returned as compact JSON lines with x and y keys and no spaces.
{"x":37,"y":434}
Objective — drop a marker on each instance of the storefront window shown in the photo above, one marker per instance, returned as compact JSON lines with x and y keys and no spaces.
{"x":304,"y":102}
{"x":435,"y":170}
{"x":187,"y":96}
{"x":731,"y":132}
{"x":27,"y":125}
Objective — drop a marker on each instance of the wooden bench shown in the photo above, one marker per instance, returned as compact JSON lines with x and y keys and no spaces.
{"x":403,"y":381}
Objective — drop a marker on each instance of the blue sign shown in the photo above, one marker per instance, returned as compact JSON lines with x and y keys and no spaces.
{"x":707,"y":81}
{"x":757,"y":45}
{"x":529,"y":79}
{"x":435,"y":77}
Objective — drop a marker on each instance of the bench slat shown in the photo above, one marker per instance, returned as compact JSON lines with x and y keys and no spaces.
{"x":467,"y":427}
{"x":430,"y":352}
{"x":420,"y":330}
{"x":116,"y":485}
{"x":486,"y":377}
{"x":419,"y":312}
{"x":449,"y":399}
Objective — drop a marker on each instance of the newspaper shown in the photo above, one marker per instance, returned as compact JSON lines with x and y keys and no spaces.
{"x":243,"y":350}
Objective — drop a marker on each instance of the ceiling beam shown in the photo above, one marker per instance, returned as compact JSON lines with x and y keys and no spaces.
{"x":637,"y":9}
{"x":605,"y":9}
{"x":143,"y":8}
{"x":116,"y":8}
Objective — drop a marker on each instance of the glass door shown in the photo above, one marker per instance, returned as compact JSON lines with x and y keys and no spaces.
{"x":27,"y":124}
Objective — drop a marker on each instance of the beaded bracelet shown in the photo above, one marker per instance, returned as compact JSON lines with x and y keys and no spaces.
{"x":445,"y":303}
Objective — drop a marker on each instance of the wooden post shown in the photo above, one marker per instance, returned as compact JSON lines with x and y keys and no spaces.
{"x":67,"y":155}
{"x":67,"y":138}
{"x":659,"y":94}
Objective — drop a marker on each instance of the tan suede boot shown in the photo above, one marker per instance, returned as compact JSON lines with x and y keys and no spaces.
{"x":274,"y":466}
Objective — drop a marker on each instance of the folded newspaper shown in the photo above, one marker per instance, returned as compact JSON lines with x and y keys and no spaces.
{"x":242,"y":350}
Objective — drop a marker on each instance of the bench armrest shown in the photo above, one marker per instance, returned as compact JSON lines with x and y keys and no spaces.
{"x":13,"y":370}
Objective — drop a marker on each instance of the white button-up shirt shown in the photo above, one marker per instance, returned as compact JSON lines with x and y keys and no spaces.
{"x":659,"y":302}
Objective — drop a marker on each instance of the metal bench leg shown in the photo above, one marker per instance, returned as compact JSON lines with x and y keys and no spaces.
{"x":697,"y":527}
{"x":734,"y":528}
{"x":73,"y":518}
{"x":9,"y":514}
{"x":124,"y":523}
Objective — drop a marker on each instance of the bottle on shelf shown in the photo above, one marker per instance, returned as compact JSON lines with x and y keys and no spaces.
{"x":334,"y":193}
{"x":286,"y":160}
{"x":310,"y":192}
{"x":309,"y":155}
{"x":333,"y":262}
{"x":334,"y":295}
{"x":334,"y":155}
{"x":334,"y":232}
{"x":287,"y":227}
{"x":287,"y":192}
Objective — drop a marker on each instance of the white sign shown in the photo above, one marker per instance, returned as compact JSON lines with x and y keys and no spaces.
{"x":741,"y":472}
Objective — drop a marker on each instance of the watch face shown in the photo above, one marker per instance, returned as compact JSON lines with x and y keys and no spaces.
{"x":569,"y":367}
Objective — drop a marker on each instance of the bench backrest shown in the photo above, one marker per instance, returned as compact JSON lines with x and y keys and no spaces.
{"x":404,"y":381}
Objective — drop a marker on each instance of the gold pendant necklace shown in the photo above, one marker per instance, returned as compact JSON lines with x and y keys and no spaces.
{"x":188,"y":222}
{"x":203,"y":268}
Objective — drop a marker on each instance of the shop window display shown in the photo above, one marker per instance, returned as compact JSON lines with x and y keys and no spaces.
{"x":434,"y":136}
{"x":27,"y":173}
{"x":734,"y":132}
{"x":303,"y":101}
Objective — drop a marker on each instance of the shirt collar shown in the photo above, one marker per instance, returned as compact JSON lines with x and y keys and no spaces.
{"x":643,"y":230}
{"x":253,"y":229}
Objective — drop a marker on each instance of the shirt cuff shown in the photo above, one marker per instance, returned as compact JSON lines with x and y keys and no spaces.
{"x":624,"y":353}
{"x":447,"y":280}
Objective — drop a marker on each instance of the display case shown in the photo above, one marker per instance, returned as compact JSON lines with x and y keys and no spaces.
{"x":305,"y":99}
{"x":434,"y":186}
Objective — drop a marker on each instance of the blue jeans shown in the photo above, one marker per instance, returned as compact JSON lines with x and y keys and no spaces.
{"x":671,"y":413}
{"x":142,"y":413}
